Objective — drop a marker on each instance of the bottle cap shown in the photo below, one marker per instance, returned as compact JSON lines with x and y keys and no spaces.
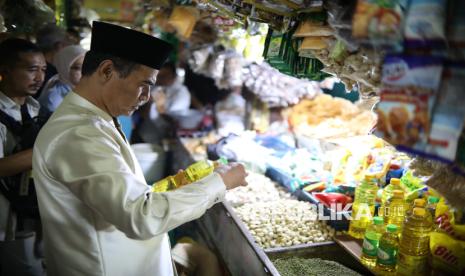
{"x":433,"y":199}
{"x":395,"y":181}
{"x":391,"y":228}
{"x":398,"y":194}
{"x":419,"y":212}
{"x":370,"y":177}
{"x":419,"y":202}
{"x":223,"y":160}
{"x":378,"y":220}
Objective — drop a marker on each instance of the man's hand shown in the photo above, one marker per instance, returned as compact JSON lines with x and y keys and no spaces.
{"x":16,"y":163}
{"x":233,"y":175}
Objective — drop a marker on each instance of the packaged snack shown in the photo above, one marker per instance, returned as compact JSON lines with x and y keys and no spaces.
{"x":312,"y":28}
{"x":425,"y":24}
{"x":413,"y":186}
{"x":448,"y":254}
{"x":378,"y":22}
{"x":410,"y":85}
{"x":449,"y":221}
{"x":183,"y":19}
{"x":449,"y":114}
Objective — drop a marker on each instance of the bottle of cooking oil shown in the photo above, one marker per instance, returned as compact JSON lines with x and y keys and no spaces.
{"x":417,"y":203}
{"x":395,"y":209}
{"x":193,"y":173}
{"x":363,"y":207}
{"x":371,"y":241}
{"x":431,"y":207}
{"x":414,"y":244}
{"x":387,"y":251}
{"x":388,"y":191}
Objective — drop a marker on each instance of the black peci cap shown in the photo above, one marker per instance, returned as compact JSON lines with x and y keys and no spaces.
{"x":129,"y":44}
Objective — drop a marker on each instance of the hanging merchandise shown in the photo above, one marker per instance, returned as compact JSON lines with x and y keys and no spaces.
{"x":379,"y":23}
{"x":183,"y":19}
{"x":449,"y":115}
{"x":410,"y":84}
{"x":425,"y":24}
{"x":456,"y":29}
{"x":311,"y":28}
{"x":339,"y":13}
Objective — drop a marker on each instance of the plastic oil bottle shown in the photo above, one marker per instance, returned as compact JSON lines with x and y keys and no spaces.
{"x":388,"y":191}
{"x":387,"y":251}
{"x":395,"y":209}
{"x":414,"y":244}
{"x":363,"y":207}
{"x":417,"y":203}
{"x":193,"y":173}
{"x":371,"y":241}
{"x":431,"y":206}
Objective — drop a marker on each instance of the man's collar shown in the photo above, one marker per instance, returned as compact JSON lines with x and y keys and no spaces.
{"x":7,"y":103}
{"x":78,"y":100}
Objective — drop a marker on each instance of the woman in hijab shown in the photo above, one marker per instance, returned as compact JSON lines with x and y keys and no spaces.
{"x":68,"y":62}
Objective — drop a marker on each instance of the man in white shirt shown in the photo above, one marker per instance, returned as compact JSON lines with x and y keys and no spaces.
{"x":99,"y":215}
{"x":22,"y":71}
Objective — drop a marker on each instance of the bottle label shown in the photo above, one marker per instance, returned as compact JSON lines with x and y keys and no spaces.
{"x":370,"y":245}
{"x":412,"y":265}
{"x":387,"y":255}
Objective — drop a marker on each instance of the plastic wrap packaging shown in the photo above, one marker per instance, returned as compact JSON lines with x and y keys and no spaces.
{"x":361,"y":69}
{"x":425,"y":24}
{"x":275,"y":88}
{"x":340,"y":14}
{"x":379,"y":23}
{"x":199,"y":59}
{"x":183,"y":19}
{"x":410,"y":85}
{"x":233,"y":71}
{"x":443,"y":178}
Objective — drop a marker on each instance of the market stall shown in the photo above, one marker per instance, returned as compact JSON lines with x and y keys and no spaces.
{"x":324,"y":171}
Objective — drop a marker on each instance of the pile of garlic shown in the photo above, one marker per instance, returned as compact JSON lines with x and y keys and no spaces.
{"x":284,"y":222}
{"x":260,"y":189}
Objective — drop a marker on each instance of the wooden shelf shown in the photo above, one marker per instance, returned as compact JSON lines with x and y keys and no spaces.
{"x":352,"y":246}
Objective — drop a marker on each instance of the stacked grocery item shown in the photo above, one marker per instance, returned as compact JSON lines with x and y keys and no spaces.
{"x":326,"y":117}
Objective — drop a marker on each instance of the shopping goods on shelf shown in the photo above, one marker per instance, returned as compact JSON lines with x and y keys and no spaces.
{"x":396,"y":207}
{"x":410,"y":85}
{"x":448,"y":254}
{"x":431,"y":207}
{"x":194,"y":172}
{"x":414,"y":244}
{"x":371,"y":241}
{"x":380,"y":23}
{"x":284,"y":222}
{"x":327,"y":117}
{"x":259,"y":189}
{"x":387,"y":193}
{"x":300,"y":266}
{"x":387,"y":250}
{"x":363,"y":208}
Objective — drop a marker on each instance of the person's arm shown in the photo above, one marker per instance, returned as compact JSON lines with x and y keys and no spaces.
{"x":88,"y":161}
{"x":16,"y":163}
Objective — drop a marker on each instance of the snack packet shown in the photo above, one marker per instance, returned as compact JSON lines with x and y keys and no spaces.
{"x":410,"y":85}
{"x":379,"y":23}
{"x":425,"y":24}
{"x":449,"y":115}
{"x":448,"y":254}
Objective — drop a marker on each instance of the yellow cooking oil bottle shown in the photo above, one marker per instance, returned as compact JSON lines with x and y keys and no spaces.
{"x":193,"y":173}
{"x":387,"y":251}
{"x":417,"y":203}
{"x":363,"y":207}
{"x":388,"y":191}
{"x":371,"y":241}
{"x":414,"y":245}
{"x":395,"y":210}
